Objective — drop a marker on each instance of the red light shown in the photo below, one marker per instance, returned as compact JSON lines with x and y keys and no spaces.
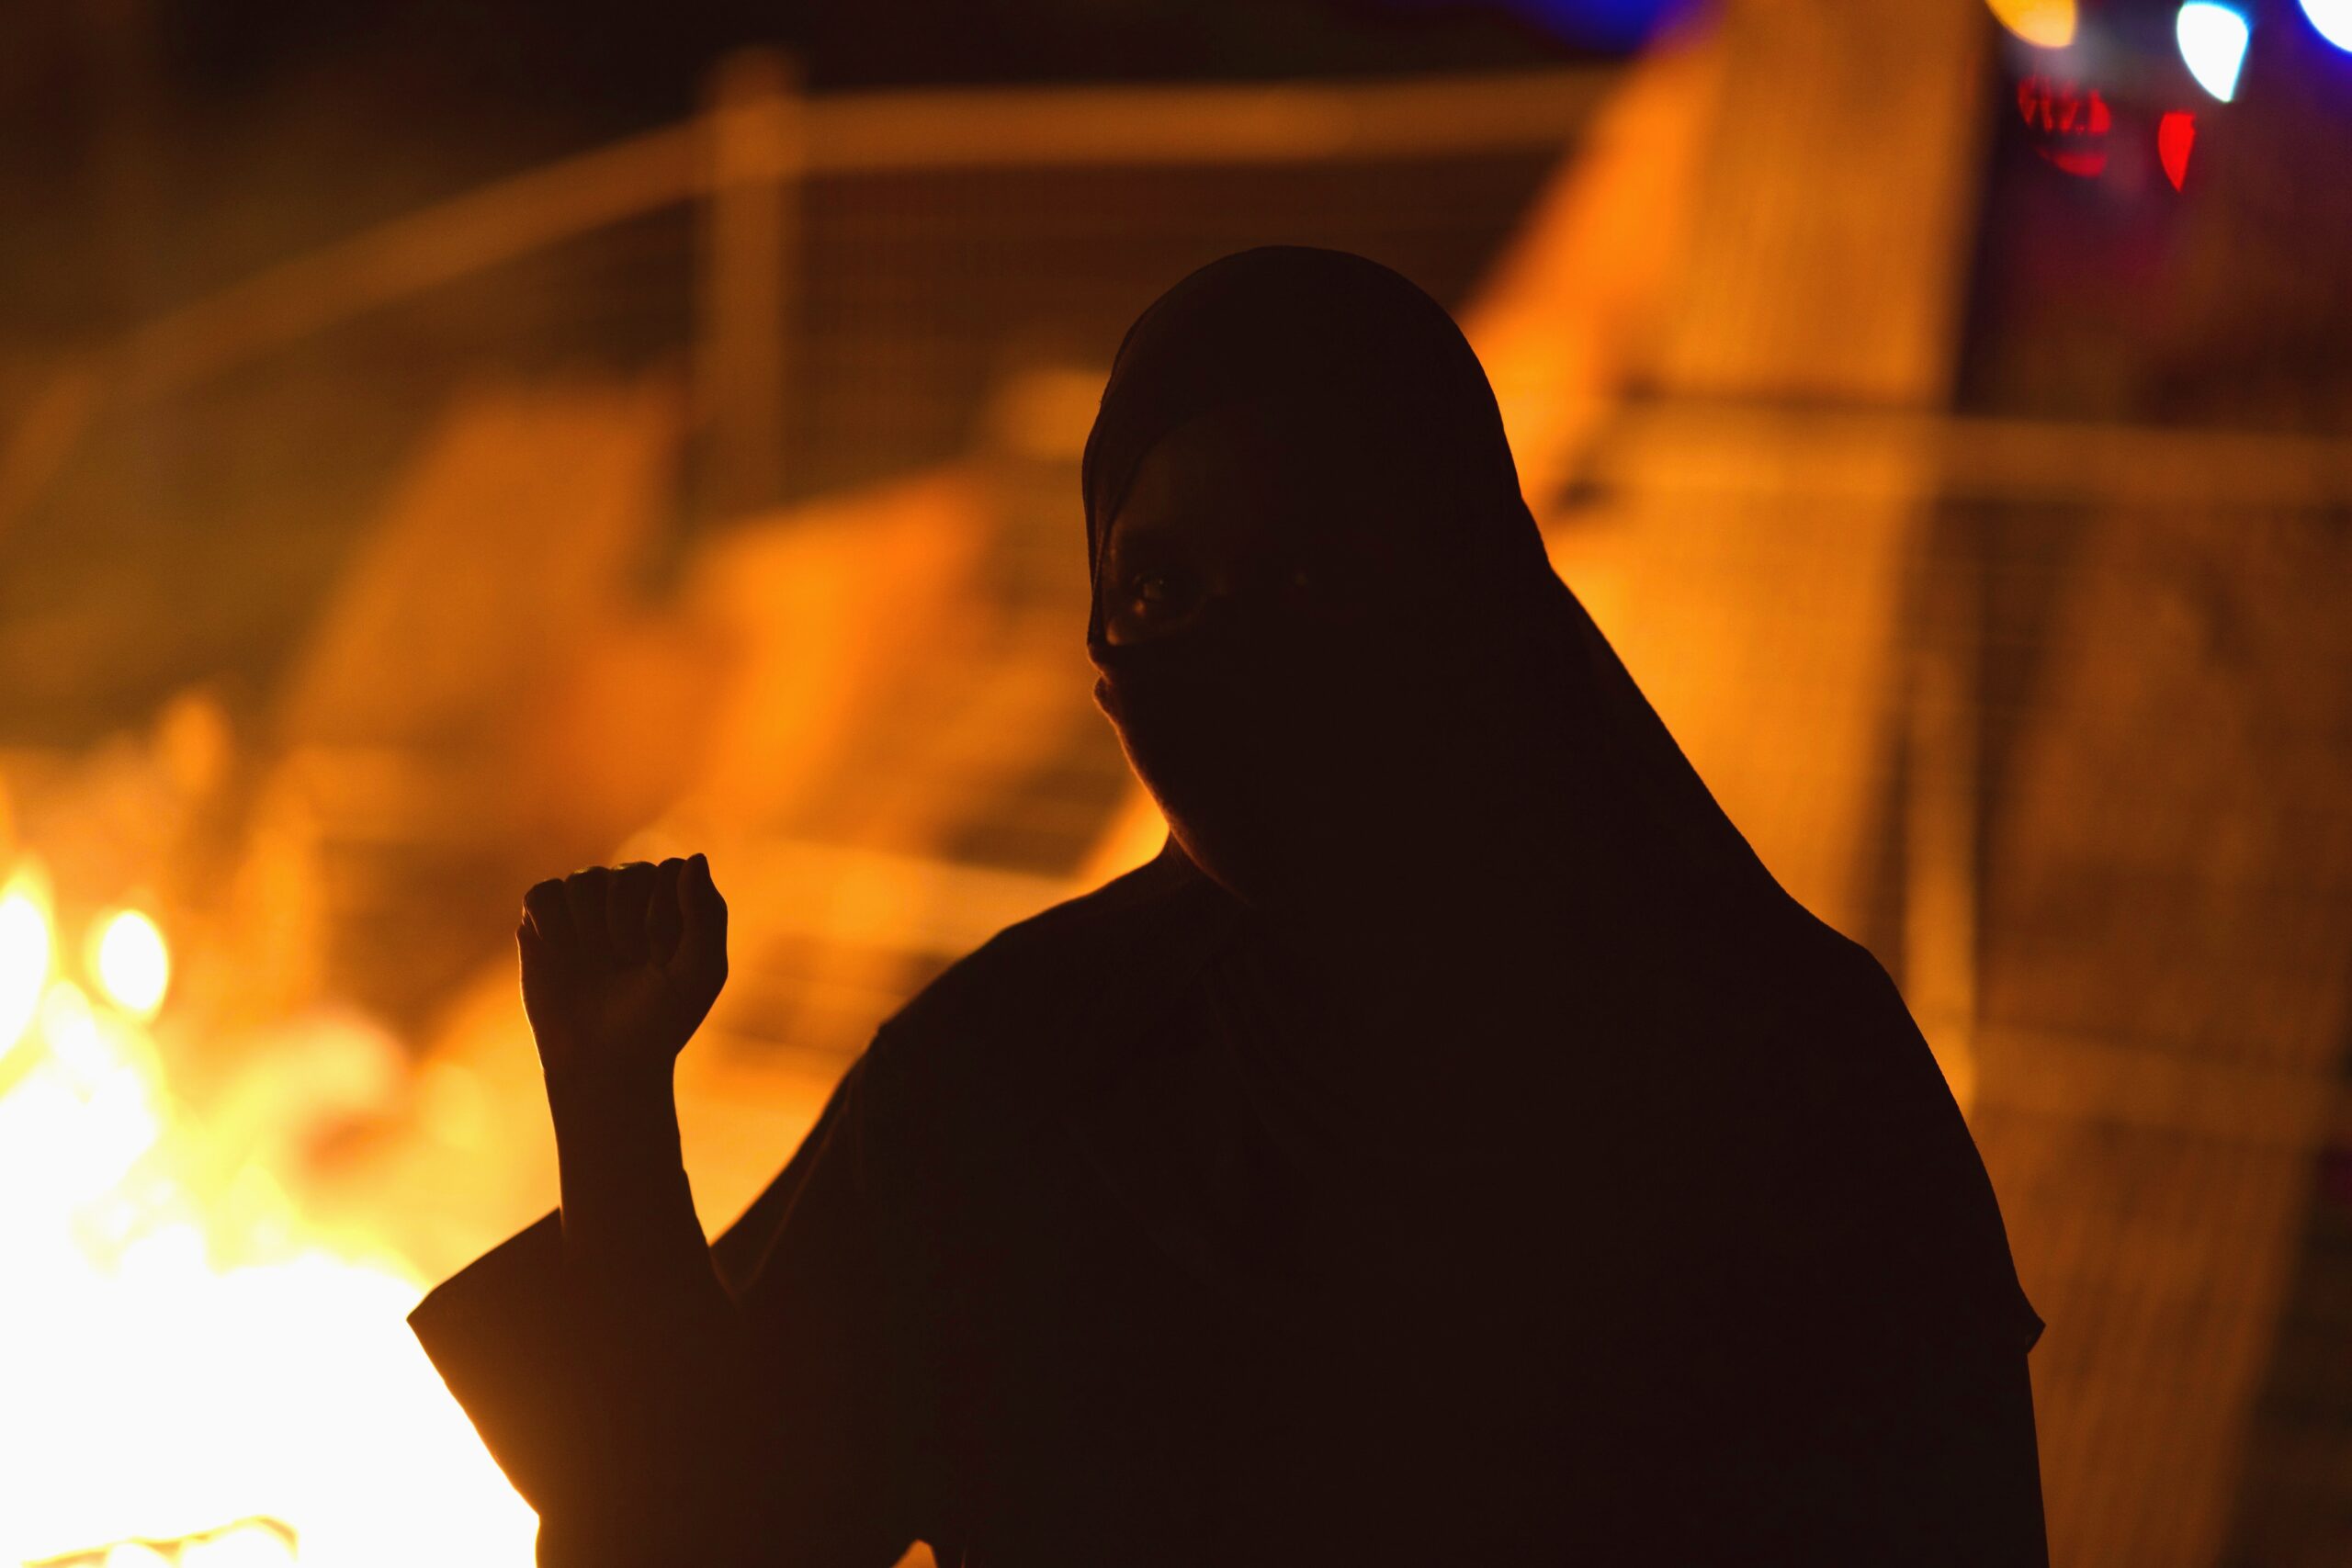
{"x":2175,"y":134}
{"x":2072,"y":123}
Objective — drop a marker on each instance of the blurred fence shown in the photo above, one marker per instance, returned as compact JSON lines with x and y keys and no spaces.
{"x":749,"y":158}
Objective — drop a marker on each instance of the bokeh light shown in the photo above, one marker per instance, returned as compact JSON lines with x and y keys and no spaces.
{"x":132,"y":963}
{"x":2213,"y":42}
{"x":2070,"y":123}
{"x":2175,"y":134}
{"x":2045,"y":24}
{"x":2333,"y":18}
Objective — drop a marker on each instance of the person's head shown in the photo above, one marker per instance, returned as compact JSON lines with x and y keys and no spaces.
{"x":1310,"y":562}
{"x":1240,"y":512}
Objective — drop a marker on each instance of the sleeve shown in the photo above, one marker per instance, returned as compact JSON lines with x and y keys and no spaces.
{"x":1893,"y":1410}
{"x":1891,"y":1448}
{"x":770,"y":1409}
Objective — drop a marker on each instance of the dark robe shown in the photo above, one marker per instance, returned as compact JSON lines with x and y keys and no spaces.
{"x":1581,"y":1200}
{"x":1053,"y":1282}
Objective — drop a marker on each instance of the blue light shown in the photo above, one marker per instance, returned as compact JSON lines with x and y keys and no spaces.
{"x":2334,"y":20}
{"x":1612,"y":25}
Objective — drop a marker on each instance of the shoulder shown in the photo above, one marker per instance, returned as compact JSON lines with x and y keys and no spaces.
{"x":1869,"y":1186}
{"x":994,"y":1048}
{"x":1047,"y":996}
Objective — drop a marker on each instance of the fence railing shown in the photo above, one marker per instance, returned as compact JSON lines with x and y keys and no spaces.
{"x":759,"y":131}
{"x":743,"y":156}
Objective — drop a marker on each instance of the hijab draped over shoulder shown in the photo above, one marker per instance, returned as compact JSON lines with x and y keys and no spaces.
{"x":1553,"y":1048}
{"x":1475,"y":792}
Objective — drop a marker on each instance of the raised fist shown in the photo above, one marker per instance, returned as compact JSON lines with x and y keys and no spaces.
{"x":620,"y":963}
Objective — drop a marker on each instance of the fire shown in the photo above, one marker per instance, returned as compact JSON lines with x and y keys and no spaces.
{"x":180,"y":1388}
{"x":132,"y":962}
{"x":23,"y":958}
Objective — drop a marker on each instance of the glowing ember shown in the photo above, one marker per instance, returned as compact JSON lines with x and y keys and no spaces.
{"x":132,"y":963}
{"x":179,"y":1389}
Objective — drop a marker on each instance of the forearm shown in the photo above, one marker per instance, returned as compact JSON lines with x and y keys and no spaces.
{"x":746,"y":1440}
{"x":660,"y":1342}
{"x":659,"y":1440}
{"x":620,"y":967}
{"x":629,"y":1214}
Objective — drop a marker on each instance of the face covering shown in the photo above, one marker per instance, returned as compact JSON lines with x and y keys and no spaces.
{"x":1483,"y":739}
{"x":1287,"y":753}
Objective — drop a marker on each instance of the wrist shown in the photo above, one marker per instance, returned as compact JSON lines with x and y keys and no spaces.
{"x":608,"y":1094}
{"x":616,"y":1146}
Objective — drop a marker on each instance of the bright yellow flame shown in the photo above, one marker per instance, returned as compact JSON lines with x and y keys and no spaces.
{"x":70,"y":1027}
{"x":132,"y":963}
{"x":136,"y":1555}
{"x":2045,"y":24}
{"x":187,"y":1372}
{"x":242,"y":1546}
{"x":24,"y":954}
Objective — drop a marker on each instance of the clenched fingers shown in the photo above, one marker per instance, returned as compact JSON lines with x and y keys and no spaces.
{"x":549,"y":916}
{"x":664,"y":924}
{"x":628,"y":895}
{"x":701,"y":958}
{"x":586,"y":894}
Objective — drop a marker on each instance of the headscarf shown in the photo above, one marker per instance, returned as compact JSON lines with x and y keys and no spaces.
{"x":1474,"y":803}
{"x":1496,"y":667}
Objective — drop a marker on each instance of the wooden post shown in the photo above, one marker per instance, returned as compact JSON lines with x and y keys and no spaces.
{"x":750,"y":277}
{"x":1943,"y":789}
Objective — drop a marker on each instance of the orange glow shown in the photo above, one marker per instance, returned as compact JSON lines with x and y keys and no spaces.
{"x":2045,"y":24}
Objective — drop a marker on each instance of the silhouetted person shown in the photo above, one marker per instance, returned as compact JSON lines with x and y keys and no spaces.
{"x":1454,"y":1147}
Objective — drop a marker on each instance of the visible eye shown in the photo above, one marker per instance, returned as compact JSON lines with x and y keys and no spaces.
{"x":1157,"y":598}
